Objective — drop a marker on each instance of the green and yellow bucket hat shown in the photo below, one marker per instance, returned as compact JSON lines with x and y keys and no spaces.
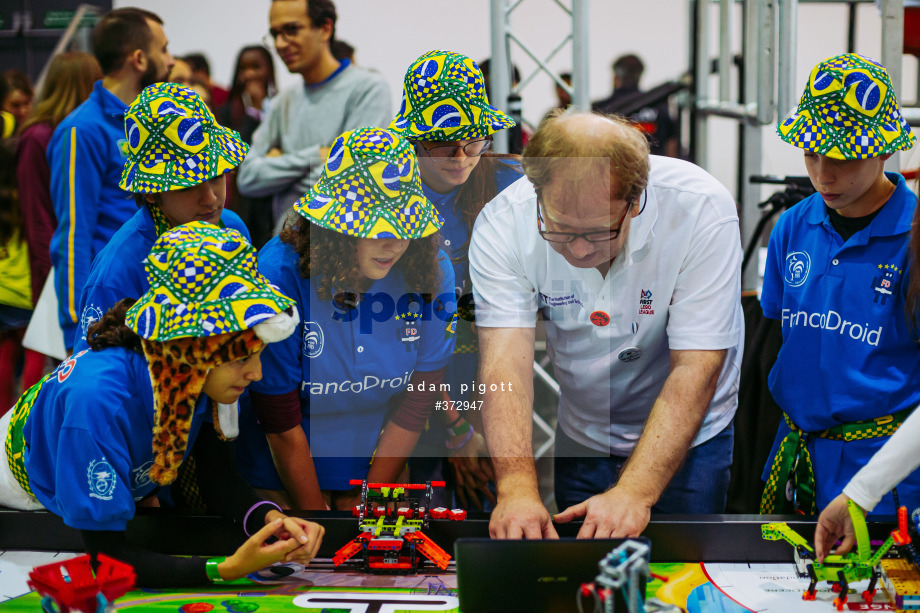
{"x":848,"y":112}
{"x":444,"y":99}
{"x":174,"y":142}
{"x":371,"y":188}
{"x":203,"y":281}
{"x":207,"y":305}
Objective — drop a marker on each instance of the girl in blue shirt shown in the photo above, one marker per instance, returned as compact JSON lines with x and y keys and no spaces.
{"x":378,"y":323}
{"x":447,"y":116}
{"x":172,"y":364}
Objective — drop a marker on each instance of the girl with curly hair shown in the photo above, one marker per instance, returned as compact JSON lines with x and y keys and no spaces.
{"x":347,"y":398}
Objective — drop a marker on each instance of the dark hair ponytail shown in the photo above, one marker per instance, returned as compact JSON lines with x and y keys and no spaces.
{"x":110,"y":331}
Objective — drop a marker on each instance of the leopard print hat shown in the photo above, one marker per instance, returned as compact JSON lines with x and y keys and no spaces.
{"x":207,"y":305}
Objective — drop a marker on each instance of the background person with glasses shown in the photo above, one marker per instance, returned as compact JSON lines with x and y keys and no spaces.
{"x":293,"y":140}
{"x":634,"y":263}
{"x":446,"y":114}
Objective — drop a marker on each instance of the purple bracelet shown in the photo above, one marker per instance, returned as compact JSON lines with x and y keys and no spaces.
{"x":463,"y":442}
{"x":253,"y":508}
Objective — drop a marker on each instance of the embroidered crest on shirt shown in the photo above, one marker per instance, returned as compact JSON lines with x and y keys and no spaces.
{"x":313,"y":339}
{"x":645,"y":303}
{"x":90,"y":314}
{"x":408,"y":331}
{"x":885,"y":283}
{"x":797,"y":266}
{"x":102,"y":479}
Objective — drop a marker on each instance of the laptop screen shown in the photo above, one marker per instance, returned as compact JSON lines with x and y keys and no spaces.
{"x":527,"y":575}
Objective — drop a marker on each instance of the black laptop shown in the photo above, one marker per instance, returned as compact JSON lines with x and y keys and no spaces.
{"x":527,"y":575}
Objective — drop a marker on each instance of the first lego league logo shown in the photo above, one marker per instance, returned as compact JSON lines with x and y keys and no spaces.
{"x":645,"y":303}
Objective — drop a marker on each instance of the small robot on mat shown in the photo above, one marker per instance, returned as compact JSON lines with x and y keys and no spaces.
{"x":390,"y":521}
{"x":840,"y":570}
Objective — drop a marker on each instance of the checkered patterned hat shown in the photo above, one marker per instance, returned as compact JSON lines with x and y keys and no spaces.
{"x":848,"y":112}
{"x":371,"y":188}
{"x":444,"y":99}
{"x":203,"y":282}
{"x":174,"y":142}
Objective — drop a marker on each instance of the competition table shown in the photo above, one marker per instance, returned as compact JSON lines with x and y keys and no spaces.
{"x":725,"y":545}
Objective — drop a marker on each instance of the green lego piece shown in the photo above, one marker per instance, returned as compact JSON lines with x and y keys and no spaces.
{"x":840,"y":569}
{"x":863,"y":547}
{"x":774,"y":531}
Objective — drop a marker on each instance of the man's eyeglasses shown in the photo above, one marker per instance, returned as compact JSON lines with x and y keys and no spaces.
{"x":471,"y":149}
{"x":288,"y":32}
{"x":597,"y":236}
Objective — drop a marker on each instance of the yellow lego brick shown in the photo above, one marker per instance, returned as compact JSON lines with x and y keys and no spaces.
{"x":903,"y":576}
{"x":902,"y":582}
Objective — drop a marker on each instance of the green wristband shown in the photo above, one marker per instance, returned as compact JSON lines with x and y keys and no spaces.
{"x":210,"y":568}
{"x":456,"y":431}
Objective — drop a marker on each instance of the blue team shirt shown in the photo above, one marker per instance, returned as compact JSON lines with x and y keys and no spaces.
{"x":118,"y":270}
{"x":847,"y":353}
{"x":347,"y":371}
{"x":86,"y":156}
{"x":89,"y":439}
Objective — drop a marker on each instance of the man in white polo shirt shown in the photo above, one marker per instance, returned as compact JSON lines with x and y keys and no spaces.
{"x":634,"y":264}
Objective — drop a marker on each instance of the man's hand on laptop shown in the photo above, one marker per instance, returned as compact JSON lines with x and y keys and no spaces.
{"x":521,"y":516}
{"x":615,"y":513}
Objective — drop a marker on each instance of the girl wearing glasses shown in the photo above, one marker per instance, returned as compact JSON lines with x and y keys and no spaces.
{"x":445,"y":113}
{"x":347,"y":399}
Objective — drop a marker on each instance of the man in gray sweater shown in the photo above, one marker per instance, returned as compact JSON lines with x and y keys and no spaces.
{"x":291,"y":145}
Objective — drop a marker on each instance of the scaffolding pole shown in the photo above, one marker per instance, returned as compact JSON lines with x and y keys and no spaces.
{"x":580,"y":55}
{"x":758,"y":70}
{"x":499,"y":71}
{"x":503,"y":36}
{"x":892,"y":54}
